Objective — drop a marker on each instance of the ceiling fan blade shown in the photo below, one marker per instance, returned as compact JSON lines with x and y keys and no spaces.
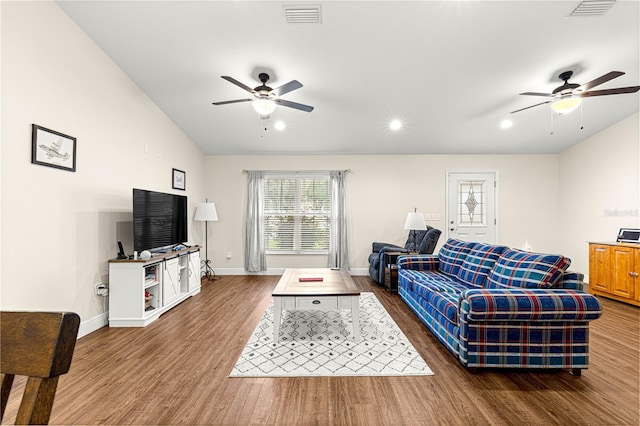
{"x":522,"y":109}
{"x":546,"y":95}
{"x":286,"y":88}
{"x":617,"y":91}
{"x":598,"y":81}
{"x":232,"y":102}
{"x":237,"y":83}
{"x":294,"y":105}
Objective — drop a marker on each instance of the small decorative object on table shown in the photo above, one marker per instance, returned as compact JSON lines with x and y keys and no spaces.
{"x":304,"y":279}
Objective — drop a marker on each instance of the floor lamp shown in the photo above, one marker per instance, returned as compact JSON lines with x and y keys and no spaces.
{"x":415,"y":221}
{"x":206,"y":212}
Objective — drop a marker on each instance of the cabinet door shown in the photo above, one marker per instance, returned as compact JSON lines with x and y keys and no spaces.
{"x":194,"y":270}
{"x":622,"y":279}
{"x":599,"y":273}
{"x":636,"y":274}
{"x":170,"y":281}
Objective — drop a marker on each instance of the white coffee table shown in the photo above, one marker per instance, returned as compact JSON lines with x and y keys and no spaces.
{"x":320,"y":289}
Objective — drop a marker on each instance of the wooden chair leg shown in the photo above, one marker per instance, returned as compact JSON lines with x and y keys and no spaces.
{"x":37,"y":401}
{"x":7,"y":382}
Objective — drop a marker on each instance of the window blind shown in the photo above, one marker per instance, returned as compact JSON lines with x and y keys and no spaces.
{"x":297,"y":211}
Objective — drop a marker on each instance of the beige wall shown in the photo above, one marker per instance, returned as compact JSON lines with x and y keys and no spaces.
{"x":381,"y":190}
{"x":60,"y":228}
{"x":600,"y":188}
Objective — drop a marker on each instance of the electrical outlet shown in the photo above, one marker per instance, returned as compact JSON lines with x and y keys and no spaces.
{"x":102,"y":290}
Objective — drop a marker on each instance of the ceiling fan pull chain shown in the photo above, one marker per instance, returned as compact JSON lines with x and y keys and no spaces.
{"x":551,"y":111}
{"x":581,"y":123}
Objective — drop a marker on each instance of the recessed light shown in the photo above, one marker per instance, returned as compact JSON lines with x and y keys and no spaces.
{"x":506,"y":123}
{"x":395,"y":125}
{"x":279,"y":125}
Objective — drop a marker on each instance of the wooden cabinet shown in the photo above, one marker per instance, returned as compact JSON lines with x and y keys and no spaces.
{"x":599,"y":267}
{"x":637,"y":287}
{"x":142,"y":290}
{"x":614,"y":270}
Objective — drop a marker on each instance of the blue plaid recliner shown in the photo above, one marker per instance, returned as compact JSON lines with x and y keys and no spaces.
{"x":425,"y":244}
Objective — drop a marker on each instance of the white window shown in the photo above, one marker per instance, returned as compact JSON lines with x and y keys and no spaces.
{"x":297,"y":210}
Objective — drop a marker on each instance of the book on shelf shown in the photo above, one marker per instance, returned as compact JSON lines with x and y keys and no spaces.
{"x":150,"y":275}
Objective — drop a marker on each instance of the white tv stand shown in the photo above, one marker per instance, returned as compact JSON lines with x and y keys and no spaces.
{"x":168,"y":278}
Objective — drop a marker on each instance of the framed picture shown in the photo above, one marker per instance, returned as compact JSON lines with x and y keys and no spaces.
{"x":52,"y":149}
{"x":179,"y":178}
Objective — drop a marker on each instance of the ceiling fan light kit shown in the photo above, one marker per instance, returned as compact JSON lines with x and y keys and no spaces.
{"x":264,"y":106}
{"x":566,"y":104}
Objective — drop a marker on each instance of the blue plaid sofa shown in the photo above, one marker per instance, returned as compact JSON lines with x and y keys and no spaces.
{"x":497,"y":307}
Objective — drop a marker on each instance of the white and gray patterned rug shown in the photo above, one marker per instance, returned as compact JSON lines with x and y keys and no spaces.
{"x":316,"y":343}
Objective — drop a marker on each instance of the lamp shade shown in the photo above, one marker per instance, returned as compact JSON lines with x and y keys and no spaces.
{"x":415,"y":220}
{"x":206,"y":212}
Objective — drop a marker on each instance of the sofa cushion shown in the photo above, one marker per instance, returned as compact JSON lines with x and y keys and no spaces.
{"x":478,"y":263}
{"x":425,"y":284}
{"x":446,"y":304}
{"x":516,"y":268}
{"x":452,"y":255}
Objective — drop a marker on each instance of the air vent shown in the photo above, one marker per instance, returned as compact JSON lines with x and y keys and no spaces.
{"x":593,"y":8}
{"x":303,"y":14}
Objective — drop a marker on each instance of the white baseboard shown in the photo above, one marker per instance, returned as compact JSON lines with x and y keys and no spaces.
{"x":93,"y":324}
{"x":277,"y":271}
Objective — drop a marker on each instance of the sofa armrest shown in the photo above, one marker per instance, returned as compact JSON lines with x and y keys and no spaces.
{"x":377,"y":247}
{"x":419,"y":262}
{"x":392,"y":249}
{"x":482,"y":305}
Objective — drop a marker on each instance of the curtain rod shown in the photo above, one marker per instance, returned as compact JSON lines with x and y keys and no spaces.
{"x":296,"y":171}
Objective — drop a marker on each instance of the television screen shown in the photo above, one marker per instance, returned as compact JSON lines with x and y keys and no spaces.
{"x":159,"y":220}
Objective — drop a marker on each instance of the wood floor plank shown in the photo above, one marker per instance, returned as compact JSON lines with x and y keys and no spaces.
{"x":175,"y":371}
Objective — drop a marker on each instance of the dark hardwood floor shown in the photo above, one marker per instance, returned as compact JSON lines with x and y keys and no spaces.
{"x":175,"y":372}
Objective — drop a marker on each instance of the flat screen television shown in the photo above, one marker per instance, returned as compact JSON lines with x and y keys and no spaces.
{"x":159,"y":220}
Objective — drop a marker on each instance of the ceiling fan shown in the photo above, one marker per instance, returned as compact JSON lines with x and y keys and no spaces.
{"x":265,"y":98}
{"x":567,"y":97}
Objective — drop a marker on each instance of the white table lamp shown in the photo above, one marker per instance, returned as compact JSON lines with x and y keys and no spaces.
{"x":414,"y":222}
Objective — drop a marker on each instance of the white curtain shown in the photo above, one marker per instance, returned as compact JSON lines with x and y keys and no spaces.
{"x":255,"y":259}
{"x":338,"y":236}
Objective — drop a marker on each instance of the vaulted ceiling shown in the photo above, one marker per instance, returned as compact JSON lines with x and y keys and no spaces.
{"x":449,"y":70}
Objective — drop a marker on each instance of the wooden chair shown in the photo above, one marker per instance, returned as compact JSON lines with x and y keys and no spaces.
{"x":38,"y":345}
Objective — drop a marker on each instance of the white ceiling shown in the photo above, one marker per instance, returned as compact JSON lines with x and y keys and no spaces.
{"x":450,"y":70}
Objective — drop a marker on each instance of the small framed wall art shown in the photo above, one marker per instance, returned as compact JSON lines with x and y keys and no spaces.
{"x":52,"y":149}
{"x":179,"y":179}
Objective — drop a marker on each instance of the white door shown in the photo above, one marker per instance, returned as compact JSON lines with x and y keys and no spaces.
{"x":471,"y":206}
